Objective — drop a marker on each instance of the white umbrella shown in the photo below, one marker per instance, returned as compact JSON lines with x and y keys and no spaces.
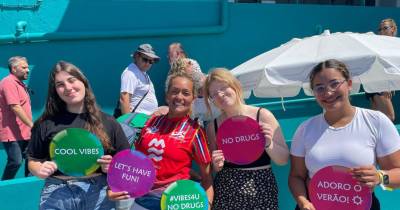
{"x":373,"y":61}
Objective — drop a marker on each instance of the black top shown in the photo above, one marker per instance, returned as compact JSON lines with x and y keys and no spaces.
{"x":370,"y":96}
{"x":43,"y":133}
{"x":263,"y":160}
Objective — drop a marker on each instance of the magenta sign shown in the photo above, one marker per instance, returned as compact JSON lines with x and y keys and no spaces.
{"x":333,"y":188}
{"x":131,"y":171}
{"x":241,"y":140}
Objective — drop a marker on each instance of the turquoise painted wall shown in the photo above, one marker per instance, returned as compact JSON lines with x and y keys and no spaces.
{"x":99,"y":35}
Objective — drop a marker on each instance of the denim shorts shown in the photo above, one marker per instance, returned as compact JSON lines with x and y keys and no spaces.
{"x":149,"y":201}
{"x":79,"y":194}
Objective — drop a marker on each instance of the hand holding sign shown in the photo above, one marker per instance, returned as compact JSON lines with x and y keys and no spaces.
{"x":75,"y":145}
{"x":268,"y":133}
{"x":333,"y":188}
{"x":104,"y":162}
{"x":116,"y":196}
{"x":131,"y":171}
{"x":241,"y":140}
{"x":47,"y":168}
{"x":218,"y":160}
{"x":366,"y":175}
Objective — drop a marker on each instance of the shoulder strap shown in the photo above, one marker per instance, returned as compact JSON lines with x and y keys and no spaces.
{"x":137,"y":105}
{"x":215,"y":126}
{"x":258,"y":114}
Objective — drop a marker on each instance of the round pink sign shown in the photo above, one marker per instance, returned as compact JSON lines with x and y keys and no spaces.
{"x":333,"y":188}
{"x":131,"y":171}
{"x":241,"y":140}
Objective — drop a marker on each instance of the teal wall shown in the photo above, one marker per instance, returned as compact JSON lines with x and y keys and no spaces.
{"x":99,"y":35}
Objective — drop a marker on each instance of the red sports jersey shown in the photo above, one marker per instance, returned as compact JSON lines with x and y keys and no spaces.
{"x":172,"y":143}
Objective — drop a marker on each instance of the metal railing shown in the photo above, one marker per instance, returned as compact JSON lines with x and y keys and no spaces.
{"x":34,"y":6}
{"x":22,"y":37}
{"x":325,"y":2}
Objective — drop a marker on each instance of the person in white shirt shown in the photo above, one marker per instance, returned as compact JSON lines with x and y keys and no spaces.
{"x":137,"y":92}
{"x":176,"y":52}
{"x":353,"y":137}
{"x":135,"y":82}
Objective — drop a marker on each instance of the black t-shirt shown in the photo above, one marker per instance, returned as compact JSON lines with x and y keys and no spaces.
{"x":43,"y":133}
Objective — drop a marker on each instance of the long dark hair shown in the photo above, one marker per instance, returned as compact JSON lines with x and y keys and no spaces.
{"x":55,"y":105}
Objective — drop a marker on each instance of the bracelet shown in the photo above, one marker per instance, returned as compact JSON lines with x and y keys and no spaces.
{"x":380,"y":174}
{"x":267,"y":146}
{"x":381,"y":181}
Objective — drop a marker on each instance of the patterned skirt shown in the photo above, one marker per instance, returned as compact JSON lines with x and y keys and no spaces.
{"x":245,"y":189}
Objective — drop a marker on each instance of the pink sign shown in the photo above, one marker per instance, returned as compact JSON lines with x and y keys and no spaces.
{"x":131,"y":171}
{"x":333,"y":188}
{"x":241,"y":140}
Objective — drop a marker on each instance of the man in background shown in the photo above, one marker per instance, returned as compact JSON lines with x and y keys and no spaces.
{"x":15,"y":115}
{"x":136,"y":86}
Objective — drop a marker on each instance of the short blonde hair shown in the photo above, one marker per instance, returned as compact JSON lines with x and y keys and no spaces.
{"x":392,"y":23}
{"x":176,"y":46}
{"x":225,"y":76}
{"x":180,"y":65}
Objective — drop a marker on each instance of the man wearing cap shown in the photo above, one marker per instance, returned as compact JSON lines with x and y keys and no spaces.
{"x":136,"y":86}
{"x":15,"y":115}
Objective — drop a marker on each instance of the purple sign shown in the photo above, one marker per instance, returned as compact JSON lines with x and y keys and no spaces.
{"x":334,"y":188}
{"x":241,"y":140}
{"x":131,"y":171}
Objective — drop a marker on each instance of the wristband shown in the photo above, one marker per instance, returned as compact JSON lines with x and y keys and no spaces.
{"x":382,"y":180}
{"x":267,"y":146}
{"x":380,"y":175}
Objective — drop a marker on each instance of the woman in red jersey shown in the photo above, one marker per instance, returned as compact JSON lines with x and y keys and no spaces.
{"x":172,"y":141}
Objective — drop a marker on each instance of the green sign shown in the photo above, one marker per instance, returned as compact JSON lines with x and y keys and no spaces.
{"x":131,"y":124}
{"x":76,"y":151}
{"x":184,"y":194}
{"x":136,"y":120}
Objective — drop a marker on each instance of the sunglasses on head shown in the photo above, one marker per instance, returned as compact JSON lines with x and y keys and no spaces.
{"x":146,"y":60}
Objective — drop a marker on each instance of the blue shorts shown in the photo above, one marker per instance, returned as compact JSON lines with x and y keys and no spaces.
{"x":149,"y":201}
{"x":79,"y":194}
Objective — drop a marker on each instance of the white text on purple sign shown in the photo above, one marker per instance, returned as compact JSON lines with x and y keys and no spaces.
{"x":132,"y":173}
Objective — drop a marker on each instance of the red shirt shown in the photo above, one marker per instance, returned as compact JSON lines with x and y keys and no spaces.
{"x":172,"y":144}
{"x":13,"y":91}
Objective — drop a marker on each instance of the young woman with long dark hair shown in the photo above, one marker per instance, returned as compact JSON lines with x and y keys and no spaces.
{"x":71,"y":104}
